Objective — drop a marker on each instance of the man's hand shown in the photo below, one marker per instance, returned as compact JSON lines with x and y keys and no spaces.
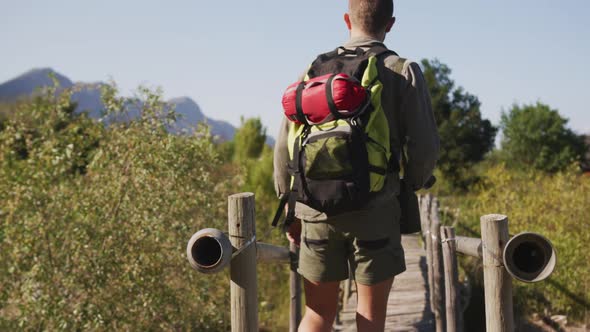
{"x":294,"y":232}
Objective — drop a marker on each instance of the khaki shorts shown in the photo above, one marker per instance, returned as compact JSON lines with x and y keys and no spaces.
{"x":367,"y":241}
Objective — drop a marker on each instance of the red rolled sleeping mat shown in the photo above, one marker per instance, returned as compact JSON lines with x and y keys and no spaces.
{"x":324,"y":98}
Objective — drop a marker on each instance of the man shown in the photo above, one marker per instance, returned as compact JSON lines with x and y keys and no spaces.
{"x":368,"y":241}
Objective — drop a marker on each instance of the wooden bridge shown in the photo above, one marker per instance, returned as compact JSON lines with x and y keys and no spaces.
{"x":423,"y":298}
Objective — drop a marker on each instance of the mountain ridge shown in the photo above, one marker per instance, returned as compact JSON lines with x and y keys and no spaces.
{"x":88,"y":98}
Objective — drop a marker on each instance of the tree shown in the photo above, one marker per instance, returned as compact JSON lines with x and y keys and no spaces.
{"x":537,"y":136}
{"x":255,"y":159}
{"x":249,"y":140}
{"x":465,"y":136}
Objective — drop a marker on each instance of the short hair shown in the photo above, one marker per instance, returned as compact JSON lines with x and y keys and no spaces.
{"x":371,"y":16}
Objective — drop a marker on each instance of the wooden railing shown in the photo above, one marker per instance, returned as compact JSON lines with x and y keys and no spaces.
{"x":210,"y":251}
{"x":503,"y":258}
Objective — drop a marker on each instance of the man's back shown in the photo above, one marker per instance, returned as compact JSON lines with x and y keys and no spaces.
{"x":365,"y":243}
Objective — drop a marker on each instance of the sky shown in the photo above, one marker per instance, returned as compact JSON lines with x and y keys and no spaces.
{"x":235,"y":58}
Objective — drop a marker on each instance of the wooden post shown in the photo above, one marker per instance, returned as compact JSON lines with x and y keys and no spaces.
{"x":437,"y":268}
{"x":295,"y":290}
{"x":242,"y":232}
{"x":497,"y":281}
{"x":424,"y":205}
{"x":426,"y":222}
{"x":451,"y":276}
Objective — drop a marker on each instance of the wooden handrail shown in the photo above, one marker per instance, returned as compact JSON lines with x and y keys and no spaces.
{"x":441,"y":245}
{"x":497,"y":281}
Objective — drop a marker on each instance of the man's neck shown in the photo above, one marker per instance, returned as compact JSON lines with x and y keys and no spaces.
{"x":359,"y":34}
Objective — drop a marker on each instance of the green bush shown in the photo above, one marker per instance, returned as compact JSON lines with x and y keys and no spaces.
{"x":94,"y":221}
{"x":555,"y":206}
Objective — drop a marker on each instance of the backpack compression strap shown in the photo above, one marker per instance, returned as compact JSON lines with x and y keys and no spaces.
{"x":330,"y":98}
{"x":289,"y":199}
{"x":299,"y":103}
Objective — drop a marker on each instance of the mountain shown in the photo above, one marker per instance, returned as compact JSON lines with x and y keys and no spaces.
{"x":191,"y":114}
{"x":88,"y":98}
{"x":26,"y":83}
{"x":191,"y":111}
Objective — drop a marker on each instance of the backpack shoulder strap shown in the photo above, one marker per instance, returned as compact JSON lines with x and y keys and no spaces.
{"x":398,"y":67}
{"x":379,"y":50}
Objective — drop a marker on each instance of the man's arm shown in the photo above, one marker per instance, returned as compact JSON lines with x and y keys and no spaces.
{"x":422,"y":142}
{"x":280,"y":160}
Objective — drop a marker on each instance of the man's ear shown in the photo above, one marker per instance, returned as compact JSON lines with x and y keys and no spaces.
{"x":347,"y":20}
{"x":390,"y":24}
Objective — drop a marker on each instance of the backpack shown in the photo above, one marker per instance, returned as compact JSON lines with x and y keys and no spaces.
{"x":337,"y":164}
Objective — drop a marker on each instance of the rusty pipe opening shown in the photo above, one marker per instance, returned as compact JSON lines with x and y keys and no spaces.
{"x":529,"y":257}
{"x":207,"y":251}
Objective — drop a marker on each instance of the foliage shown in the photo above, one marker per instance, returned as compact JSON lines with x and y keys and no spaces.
{"x":555,"y":206}
{"x":465,"y":136}
{"x":249,"y":140}
{"x":536,"y":136}
{"x":94,"y":221}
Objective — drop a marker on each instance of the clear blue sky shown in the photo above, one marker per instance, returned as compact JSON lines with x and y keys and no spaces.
{"x":236,"y":57}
